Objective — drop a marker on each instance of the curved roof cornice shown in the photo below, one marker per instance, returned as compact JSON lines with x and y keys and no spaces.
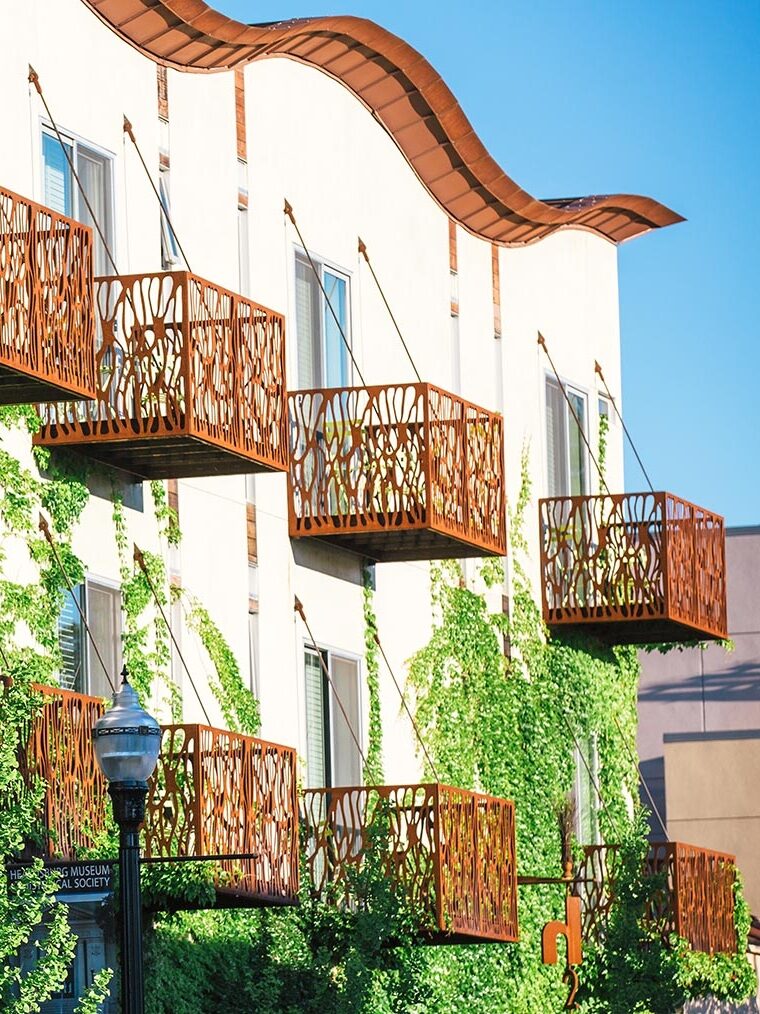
{"x":406,"y":96}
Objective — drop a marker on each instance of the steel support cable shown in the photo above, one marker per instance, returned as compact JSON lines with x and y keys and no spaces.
{"x":407,"y":709}
{"x":140,"y":561}
{"x":542,"y":343}
{"x":288,"y":211}
{"x":635,"y":760}
{"x":365,"y":255}
{"x":35,"y":80}
{"x":298,"y":607}
{"x":586,"y":764}
{"x":581,"y":429}
{"x":128,"y":130}
{"x":45,"y":529}
{"x":598,"y":370}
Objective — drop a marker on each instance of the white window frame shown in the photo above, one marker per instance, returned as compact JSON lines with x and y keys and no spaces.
{"x":322,"y":263}
{"x":77,"y":141}
{"x":346,"y":656}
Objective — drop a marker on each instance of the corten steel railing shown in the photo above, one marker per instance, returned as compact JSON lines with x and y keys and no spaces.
{"x":191,"y":381}
{"x":47,"y":322}
{"x":633,"y":567}
{"x":695,"y":900}
{"x":397,"y":472}
{"x":59,"y":751}
{"x":223,"y":793}
{"x":450,"y":852}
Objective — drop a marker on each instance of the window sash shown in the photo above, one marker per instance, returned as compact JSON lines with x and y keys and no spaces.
{"x":332,"y":757}
{"x":323,"y":359}
{"x":566,"y":456}
{"x":95,"y":171}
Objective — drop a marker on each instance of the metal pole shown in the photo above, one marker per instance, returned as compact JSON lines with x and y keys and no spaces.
{"x":129,"y":811}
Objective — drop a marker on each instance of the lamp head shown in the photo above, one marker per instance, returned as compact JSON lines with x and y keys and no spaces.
{"x":126,"y":738}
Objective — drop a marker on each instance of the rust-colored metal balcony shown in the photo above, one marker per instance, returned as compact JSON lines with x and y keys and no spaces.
{"x":633,"y":568}
{"x":47,"y":321}
{"x":696,"y":900}
{"x":450,"y":852}
{"x":403,"y":472}
{"x":191,"y":381}
{"x":59,"y":751}
{"x":223,"y":793}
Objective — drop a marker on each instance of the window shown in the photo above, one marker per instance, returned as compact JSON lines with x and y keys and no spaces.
{"x":586,"y":798}
{"x":604,"y":409}
{"x":81,"y":669}
{"x":332,"y":756}
{"x":95,"y":172}
{"x":244,"y":260}
{"x":567,"y":467}
{"x":322,"y":354}
{"x":170,"y":255}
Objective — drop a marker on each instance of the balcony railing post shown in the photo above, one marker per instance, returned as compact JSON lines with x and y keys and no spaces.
{"x":427,"y":451}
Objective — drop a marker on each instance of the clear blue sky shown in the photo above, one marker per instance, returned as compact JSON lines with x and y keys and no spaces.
{"x":656,"y":98}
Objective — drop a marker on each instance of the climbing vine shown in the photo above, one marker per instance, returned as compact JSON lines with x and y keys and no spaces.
{"x":373,"y":768}
{"x":29,"y":655}
{"x":513,"y":728}
{"x":238,"y":705}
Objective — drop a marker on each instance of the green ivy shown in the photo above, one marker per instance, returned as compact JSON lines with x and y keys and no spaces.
{"x":238,"y":705}
{"x":145,"y":641}
{"x":28,"y":908}
{"x":373,"y":768}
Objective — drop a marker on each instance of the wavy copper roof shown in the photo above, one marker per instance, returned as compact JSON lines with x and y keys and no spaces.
{"x":405,"y":95}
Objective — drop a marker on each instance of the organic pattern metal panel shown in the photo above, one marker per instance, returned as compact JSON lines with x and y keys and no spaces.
{"x":358,"y":459}
{"x":47,"y":329}
{"x":450,"y":852}
{"x":59,"y":751}
{"x":633,"y":557}
{"x":396,"y":458}
{"x":695,"y":896}
{"x":696,"y":566}
{"x":223,"y":793}
{"x":178,"y":356}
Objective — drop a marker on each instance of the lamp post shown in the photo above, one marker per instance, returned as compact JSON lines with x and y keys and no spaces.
{"x":127,"y":742}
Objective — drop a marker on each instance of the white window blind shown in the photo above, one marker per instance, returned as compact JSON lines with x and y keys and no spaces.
{"x":316,"y":759}
{"x":346,"y":762}
{"x":308,"y":331}
{"x":566,"y":457}
{"x":104,"y":618}
{"x":556,"y":440}
{"x":95,"y":173}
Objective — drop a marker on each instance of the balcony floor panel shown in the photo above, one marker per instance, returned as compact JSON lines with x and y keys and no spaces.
{"x":657,"y":630}
{"x":180,"y":457}
{"x":396,"y":545}
{"x":20,"y":388}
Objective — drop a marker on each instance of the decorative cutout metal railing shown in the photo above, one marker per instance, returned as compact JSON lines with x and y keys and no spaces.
{"x":633,"y":568}
{"x":449,"y":851}
{"x":47,"y":322}
{"x":58,"y":750}
{"x":191,"y":381}
{"x":214,"y":793}
{"x":397,"y":472}
{"x":217,"y":792}
{"x":696,"y":899}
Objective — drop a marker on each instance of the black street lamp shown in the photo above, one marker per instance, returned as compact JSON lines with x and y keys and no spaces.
{"x":127,"y":742}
